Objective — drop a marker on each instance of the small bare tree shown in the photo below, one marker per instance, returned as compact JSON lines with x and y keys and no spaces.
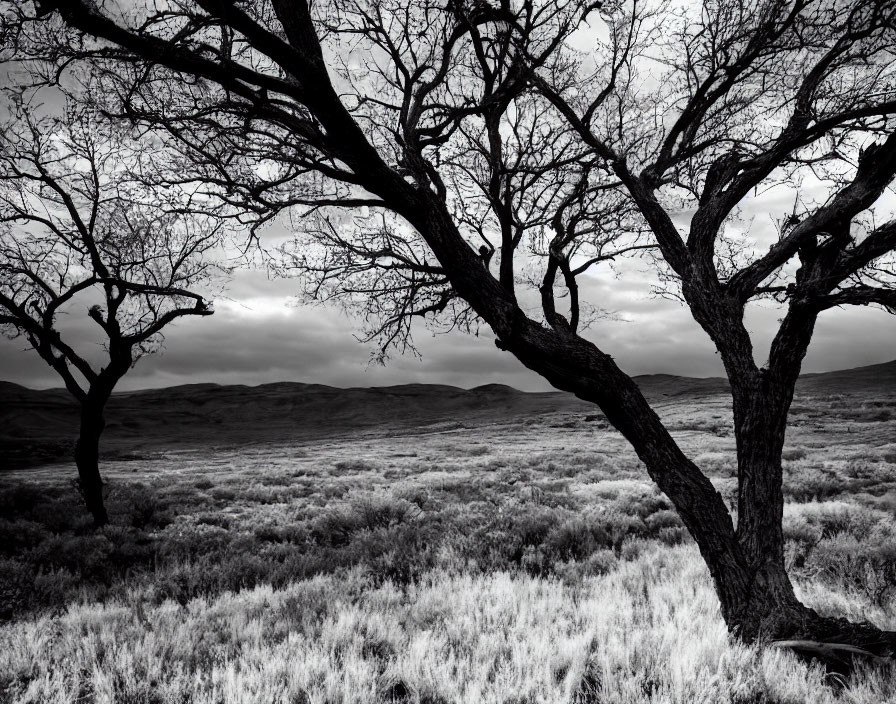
{"x":453,"y":151}
{"x":81,"y":234}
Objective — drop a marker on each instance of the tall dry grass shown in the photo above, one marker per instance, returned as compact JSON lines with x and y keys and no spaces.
{"x":499,"y":566}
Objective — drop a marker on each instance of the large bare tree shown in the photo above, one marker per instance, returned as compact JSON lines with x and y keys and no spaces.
{"x":81,"y":236}
{"x":451,"y":152}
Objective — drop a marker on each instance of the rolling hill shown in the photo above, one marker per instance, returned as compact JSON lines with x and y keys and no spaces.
{"x":37,"y":427}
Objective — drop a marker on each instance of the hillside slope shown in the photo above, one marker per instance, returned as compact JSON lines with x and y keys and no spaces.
{"x":40,"y":426}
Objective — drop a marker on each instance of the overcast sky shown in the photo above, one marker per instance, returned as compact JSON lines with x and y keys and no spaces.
{"x":258,"y":334}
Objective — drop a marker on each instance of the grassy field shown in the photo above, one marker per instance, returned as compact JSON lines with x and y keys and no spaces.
{"x":505,"y":563}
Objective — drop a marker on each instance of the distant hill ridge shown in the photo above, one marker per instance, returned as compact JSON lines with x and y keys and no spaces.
{"x":40,"y":426}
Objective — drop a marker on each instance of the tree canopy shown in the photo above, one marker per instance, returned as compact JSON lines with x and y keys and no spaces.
{"x":78,"y":224}
{"x":84,"y":233}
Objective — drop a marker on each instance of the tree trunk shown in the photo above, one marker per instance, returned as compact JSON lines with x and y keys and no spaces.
{"x":756,"y":596}
{"x":769,"y":607}
{"x":762,"y":606}
{"x":87,"y":459}
{"x":768,"y":610}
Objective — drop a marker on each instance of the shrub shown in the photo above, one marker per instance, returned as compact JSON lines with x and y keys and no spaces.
{"x":673,"y":536}
{"x":793,"y":453}
{"x":803,"y":483}
{"x":364,"y":511}
{"x":355,"y":466}
{"x":16,"y":536}
{"x":223,"y":493}
{"x":22,"y":499}
{"x":599,"y":562}
{"x":141,"y":506}
{"x":664,"y":518}
{"x":867,"y":567}
{"x":722,"y":464}
{"x":418,"y":495}
{"x":26,"y":587}
{"x":185,"y":542}
{"x":575,"y":539}
{"x":621,"y":526}
{"x":381,"y":510}
{"x":294,"y":534}
{"x":832,"y":518}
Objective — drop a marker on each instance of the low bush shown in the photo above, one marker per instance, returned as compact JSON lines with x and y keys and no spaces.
{"x":866,"y":567}
{"x":803,"y":482}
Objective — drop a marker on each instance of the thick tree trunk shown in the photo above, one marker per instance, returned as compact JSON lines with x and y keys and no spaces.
{"x":769,"y":607}
{"x":765,"y":608}
{"x":87,"y":460}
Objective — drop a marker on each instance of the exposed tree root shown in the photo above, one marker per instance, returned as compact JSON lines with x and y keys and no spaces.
{"x":838,"y":658}
{"x":839,"y":645}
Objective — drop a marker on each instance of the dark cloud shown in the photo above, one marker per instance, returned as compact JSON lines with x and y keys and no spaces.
{"x":259,"y":335}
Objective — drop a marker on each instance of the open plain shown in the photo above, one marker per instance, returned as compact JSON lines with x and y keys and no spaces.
{"x":425,"y":545}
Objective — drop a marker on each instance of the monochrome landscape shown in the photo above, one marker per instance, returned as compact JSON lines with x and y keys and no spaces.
{"x":293,"y":543}
{"x":213,"y":212}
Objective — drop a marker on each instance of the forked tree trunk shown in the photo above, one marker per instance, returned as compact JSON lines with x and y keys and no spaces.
{"x":746,"y":564}
{"x":87,"y":460}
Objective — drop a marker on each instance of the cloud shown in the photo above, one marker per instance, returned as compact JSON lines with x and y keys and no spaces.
{"x":258,"y":334}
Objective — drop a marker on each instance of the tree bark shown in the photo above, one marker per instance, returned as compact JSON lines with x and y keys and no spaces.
{"x":768,"y":609}
{"x":87,"y":459}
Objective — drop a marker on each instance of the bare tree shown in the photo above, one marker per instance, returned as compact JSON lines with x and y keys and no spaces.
{"x":81,"y":235}
{"x":489,"y":148}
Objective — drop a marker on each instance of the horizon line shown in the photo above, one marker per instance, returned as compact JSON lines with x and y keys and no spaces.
{"x":393,"y":386}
